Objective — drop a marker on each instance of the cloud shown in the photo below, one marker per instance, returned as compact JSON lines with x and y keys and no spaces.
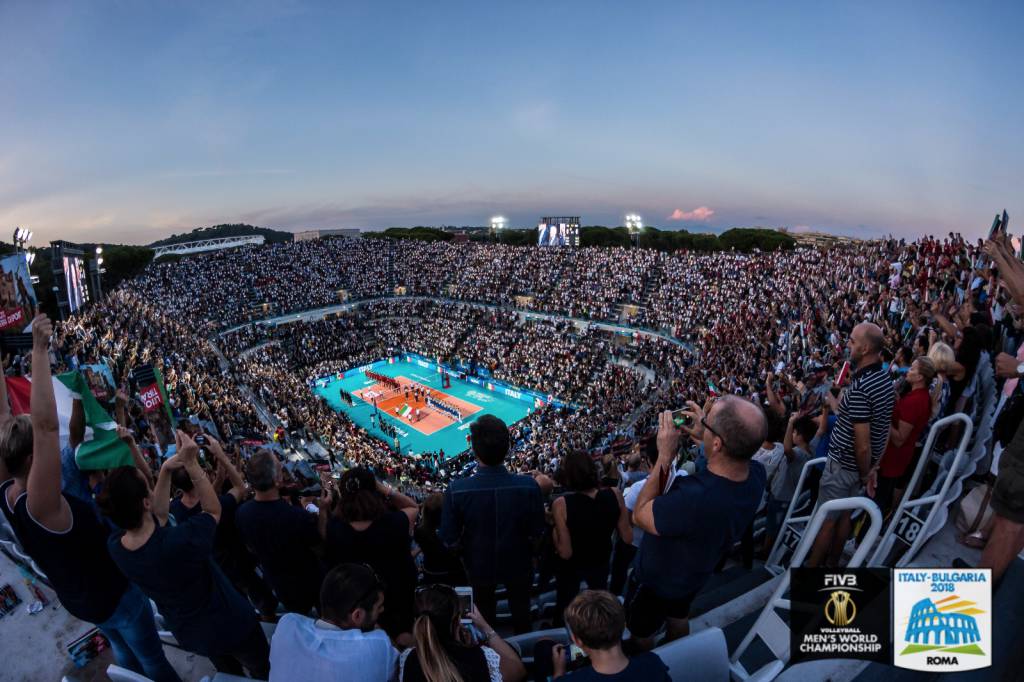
{"x":701,"y":214}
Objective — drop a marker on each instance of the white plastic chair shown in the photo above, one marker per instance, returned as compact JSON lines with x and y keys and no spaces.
{"x":118,"y":674}
{"x":700,"y":656}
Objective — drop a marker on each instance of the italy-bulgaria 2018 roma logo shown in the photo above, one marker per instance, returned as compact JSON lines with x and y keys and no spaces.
{"x":942,"y":619}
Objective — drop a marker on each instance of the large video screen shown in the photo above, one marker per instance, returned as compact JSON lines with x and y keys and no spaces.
{"x":74,"y":279}
{"x":559,"y":231}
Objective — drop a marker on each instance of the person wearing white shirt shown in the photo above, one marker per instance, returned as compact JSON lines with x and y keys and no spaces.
{"x":344,"y":644}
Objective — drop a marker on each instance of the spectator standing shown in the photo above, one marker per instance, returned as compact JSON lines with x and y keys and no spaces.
{"x":174,"y":565}
{"x":625,"y":552}
{"x":858,"y":439}
{"x":343,"y":645}
{"x":689,"y":527}
{"x":495,"y":518}
{"x":234,"y":558}
{"x":281,"y":536}
{"x":445,"y":650}
{"x":909,"y":419}
{"x":799,"y":442}
{"x":585,"y":518}
{"x":53,"y":526}
{"x":373,"y":524}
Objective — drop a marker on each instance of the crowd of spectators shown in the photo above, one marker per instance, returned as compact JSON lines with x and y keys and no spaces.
{"x":667,"y":451}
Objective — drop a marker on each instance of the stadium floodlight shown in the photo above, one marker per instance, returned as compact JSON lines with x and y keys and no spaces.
{"x":99,"y":261}
{"x":21,"y":236}
{"x":634,"y":224}
{"x":498,"y":223}
{"x":30,"y":256}
{"x":99,"y":250}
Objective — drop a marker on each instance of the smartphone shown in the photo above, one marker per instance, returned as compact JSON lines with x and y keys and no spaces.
{"x":681,"y":419}
{"x":465,"y":595}
{"x":576,"y":653}
{"x":996,"y":226}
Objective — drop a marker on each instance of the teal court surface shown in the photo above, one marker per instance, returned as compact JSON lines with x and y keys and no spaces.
{"x":452,"y":437}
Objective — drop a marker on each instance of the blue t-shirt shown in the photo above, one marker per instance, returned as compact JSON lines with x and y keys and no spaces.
{"x":697,"y":520}
{"x":646,"y":667}
{"x":825,"y":439}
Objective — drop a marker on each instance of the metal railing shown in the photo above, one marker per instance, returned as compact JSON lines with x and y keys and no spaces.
{"x":907,"y":526}
{"x":769,"y":626}
{"x":203,"y":245}
{"x":789,"y":537}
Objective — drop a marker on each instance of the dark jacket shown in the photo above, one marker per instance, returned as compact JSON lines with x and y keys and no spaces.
{"x":494,"y":517}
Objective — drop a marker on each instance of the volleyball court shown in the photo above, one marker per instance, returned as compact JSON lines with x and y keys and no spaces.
{"x":428,"y":410}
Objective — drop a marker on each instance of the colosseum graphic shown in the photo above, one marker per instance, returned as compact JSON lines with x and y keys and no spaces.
{"x":947,"y":623}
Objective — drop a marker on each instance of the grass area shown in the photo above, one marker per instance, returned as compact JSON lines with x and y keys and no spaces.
{"x":972,"y":649}
{"x":918,"y":648}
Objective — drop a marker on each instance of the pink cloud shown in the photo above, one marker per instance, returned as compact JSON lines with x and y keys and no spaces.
{"x":700,"y":213}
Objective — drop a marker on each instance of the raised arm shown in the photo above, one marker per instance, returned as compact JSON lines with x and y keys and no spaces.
{"x":668,"y":444}
{"x":787,"y":441}
{"x":773,"y":399}
{"x":189,"y":453}
{"x":224,"y":464}
{"x":1011,"y":271}
{"x":400,"y":502}
{"x":45,"y":502}
{"x":140,"y":462}
{"x":162,"y":490}
{"x":5,"y":406}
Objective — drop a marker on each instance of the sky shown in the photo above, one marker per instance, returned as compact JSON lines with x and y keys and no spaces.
{"x":127,"y":121}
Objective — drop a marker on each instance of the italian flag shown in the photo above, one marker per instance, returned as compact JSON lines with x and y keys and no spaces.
{"x":101,"y":447}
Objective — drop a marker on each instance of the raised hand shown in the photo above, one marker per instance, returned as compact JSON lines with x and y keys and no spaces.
{"x":42,"y":330}
{"x":186,"y":448}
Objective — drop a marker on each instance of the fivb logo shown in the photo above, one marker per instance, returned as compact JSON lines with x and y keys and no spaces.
{"x":942,"y":619}
{"x":840,"y":609}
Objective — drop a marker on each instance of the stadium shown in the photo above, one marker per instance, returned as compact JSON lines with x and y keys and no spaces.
{"x":511,"y":342}
{"x":391,"y":383}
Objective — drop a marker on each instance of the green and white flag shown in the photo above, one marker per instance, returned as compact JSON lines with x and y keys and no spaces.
{"x":101,"y":447}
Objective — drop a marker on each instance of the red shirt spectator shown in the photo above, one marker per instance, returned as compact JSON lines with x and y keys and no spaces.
{"x":914,"y":408}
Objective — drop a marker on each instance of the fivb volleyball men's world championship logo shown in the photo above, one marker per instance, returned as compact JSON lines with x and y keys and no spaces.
{"x":942,"y":619}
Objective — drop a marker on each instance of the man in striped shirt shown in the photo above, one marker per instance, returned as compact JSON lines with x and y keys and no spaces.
{"x":858,"y":439}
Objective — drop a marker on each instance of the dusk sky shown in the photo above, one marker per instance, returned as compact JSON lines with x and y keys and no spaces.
{"x":126,"y":121}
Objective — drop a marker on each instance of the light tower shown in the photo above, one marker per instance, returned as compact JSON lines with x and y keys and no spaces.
{"x":21,"y":237}
{"x":498,"y":223}
{"x":97,"y":269}
{"x":634,"y":224}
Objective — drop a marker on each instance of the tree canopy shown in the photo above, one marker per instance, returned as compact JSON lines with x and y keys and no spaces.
{"x":226,"y":230}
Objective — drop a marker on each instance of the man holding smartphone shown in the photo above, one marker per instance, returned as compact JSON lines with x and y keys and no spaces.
{"x":688,"y":527}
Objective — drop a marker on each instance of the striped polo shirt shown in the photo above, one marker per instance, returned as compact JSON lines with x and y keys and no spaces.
{"x":870,"y":398}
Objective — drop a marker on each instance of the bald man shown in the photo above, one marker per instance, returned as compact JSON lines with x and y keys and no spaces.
{"x":689,"y":527}
{"x":858,"y":439}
